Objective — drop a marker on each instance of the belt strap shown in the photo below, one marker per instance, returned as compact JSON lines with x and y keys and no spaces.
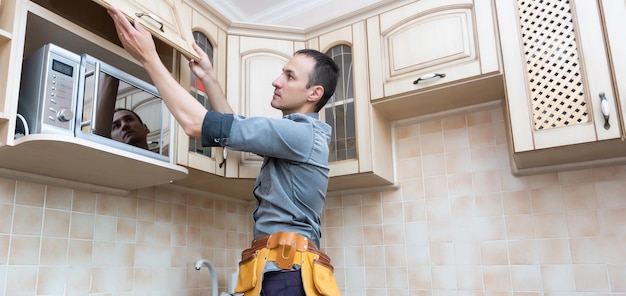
{"x":286,"y":244}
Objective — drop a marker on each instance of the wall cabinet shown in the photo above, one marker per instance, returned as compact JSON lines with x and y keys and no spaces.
{"x":369,"y":134}
{"x":253,"y":64}
{"x":614,"y":17}
{"x":9,"y":60}
{"x":562,"y":84}
{"x":433,"y":55}
{"x":81,"y":27}
{"x":203,"y":166}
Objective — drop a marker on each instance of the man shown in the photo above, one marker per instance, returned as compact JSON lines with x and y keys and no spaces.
{"x":284,"y":258}
{"x":128,"y":128}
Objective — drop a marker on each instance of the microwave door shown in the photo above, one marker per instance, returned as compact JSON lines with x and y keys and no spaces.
{"x":119,"y":111}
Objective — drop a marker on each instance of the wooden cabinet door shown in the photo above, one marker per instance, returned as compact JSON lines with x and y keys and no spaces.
{"x":614,"y":13}
{"x":254,"y":63}
{"x":189,"y":152}
{"x":165,"y":19}
{"x":556,"y":73}
{"x":10,"y":59}
{"x":430,"y":42}
{"x":372,"y":163}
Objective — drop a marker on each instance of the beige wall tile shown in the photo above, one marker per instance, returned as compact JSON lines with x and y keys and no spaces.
{"x":459,"y":224}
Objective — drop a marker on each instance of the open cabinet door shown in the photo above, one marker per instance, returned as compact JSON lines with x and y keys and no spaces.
{"x":163,"y":18}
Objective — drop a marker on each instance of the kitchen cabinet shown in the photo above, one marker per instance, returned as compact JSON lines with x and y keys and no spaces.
{"x":9,"y":60}
{"x":370,"y":134}
{"x":253,"y":64}
{"x":165,"y":19}
{"x":207,"y":171}
{"x":433,"y":55}
{"x":82,"y":27}
{"x":562,"y":82}
{"x":198,"y":160}
{"x":614,"y":20}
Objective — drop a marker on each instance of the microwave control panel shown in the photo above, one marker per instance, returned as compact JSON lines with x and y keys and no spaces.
{"x":49,"y":90}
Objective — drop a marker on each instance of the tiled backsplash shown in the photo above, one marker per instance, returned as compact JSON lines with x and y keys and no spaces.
{"x":459,"y":224}
{"x":57,"y":241}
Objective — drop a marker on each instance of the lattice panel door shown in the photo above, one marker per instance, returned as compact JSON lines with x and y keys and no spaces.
{"x":552,"y":63}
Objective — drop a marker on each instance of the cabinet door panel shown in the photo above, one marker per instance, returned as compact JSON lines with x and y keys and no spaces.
{"x":614,"y":12}
{"x":253,"y":64}
{"x":415,"y":48}
{"x":432,"y":56}
{"x":165,"y":19}
{"x":555,"y":73}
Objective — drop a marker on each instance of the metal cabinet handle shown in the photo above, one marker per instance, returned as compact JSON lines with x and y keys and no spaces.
{"x":606,"y":111}
{"x":429,"y":76}
{"x":153,"y":17}
{"x":225,"y":154}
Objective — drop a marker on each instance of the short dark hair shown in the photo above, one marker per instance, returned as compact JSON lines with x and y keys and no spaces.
{"x":325,"y":73}
{"x":131,"y":111}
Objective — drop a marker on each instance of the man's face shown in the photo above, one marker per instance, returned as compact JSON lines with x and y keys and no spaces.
{"x":290,"y":92}
{"x":127,"y":129}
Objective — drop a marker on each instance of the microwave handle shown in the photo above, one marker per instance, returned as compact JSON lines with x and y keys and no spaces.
{"x":96,"y":81}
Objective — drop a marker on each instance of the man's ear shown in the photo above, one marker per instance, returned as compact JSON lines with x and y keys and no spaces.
{"x":317,"y":91}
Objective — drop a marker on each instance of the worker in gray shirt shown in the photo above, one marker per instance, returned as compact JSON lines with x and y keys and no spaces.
{"x":284,"y":256}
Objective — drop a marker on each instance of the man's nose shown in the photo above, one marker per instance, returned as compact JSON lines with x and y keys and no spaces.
{"x":125,"y":126}
{"x":276,"y":82}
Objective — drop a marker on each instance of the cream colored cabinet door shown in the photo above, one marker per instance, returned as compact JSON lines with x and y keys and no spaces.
{"x":429,"y":43}
{"x":187,"y":156}
{"x":372,"y":164}
{"x":165,"y":19}
{"x":253,"y":64}
{"x":557,"y":74}
{"x":614,"y":12}
{"x":10,"y":59}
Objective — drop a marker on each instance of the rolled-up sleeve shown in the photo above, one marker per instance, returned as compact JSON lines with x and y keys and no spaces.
{"x":216,"y":129}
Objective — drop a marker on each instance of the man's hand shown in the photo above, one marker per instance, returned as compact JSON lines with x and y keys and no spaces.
{"x":135,"y":39}
{"x":203,"y":69}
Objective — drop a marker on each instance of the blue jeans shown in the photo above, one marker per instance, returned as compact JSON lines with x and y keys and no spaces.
{"x":282,"y":283}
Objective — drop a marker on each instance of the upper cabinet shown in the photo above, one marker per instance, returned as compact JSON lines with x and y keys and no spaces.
{"x":47,"y":132}
{"x":433,"y":55}
{"x":253,"y":64}
{"x":207,"y":165}
{"x":562,"y":100}
{"x":9,"y":60}
{"x":165,"y":19}
{"x":360,"y":148}
{"x":614,"y":17}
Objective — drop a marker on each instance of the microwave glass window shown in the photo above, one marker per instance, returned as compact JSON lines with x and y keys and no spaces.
{"x":124,"y":113}
{"x":62,"y":68}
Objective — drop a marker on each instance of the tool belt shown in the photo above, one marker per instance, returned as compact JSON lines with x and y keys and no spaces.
{"x":286,"y":249}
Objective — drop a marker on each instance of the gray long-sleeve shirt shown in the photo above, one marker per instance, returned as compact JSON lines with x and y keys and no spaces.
{"x":291,"y":187}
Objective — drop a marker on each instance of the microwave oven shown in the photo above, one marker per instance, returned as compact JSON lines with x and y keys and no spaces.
{"x":78,"y":95}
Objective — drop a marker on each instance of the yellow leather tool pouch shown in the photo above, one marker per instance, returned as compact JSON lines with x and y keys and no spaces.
{"x":251,"y":269}
{"x":317,"y":275}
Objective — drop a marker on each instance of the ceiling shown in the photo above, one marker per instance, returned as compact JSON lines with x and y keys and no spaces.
{"x":297,"y":14}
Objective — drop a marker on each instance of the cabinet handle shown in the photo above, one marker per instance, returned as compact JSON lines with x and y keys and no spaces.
{"x":224,"y":153}
{"x":429,"y":76}
{"x":153,"y":17}
{"x":606,"y":111}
